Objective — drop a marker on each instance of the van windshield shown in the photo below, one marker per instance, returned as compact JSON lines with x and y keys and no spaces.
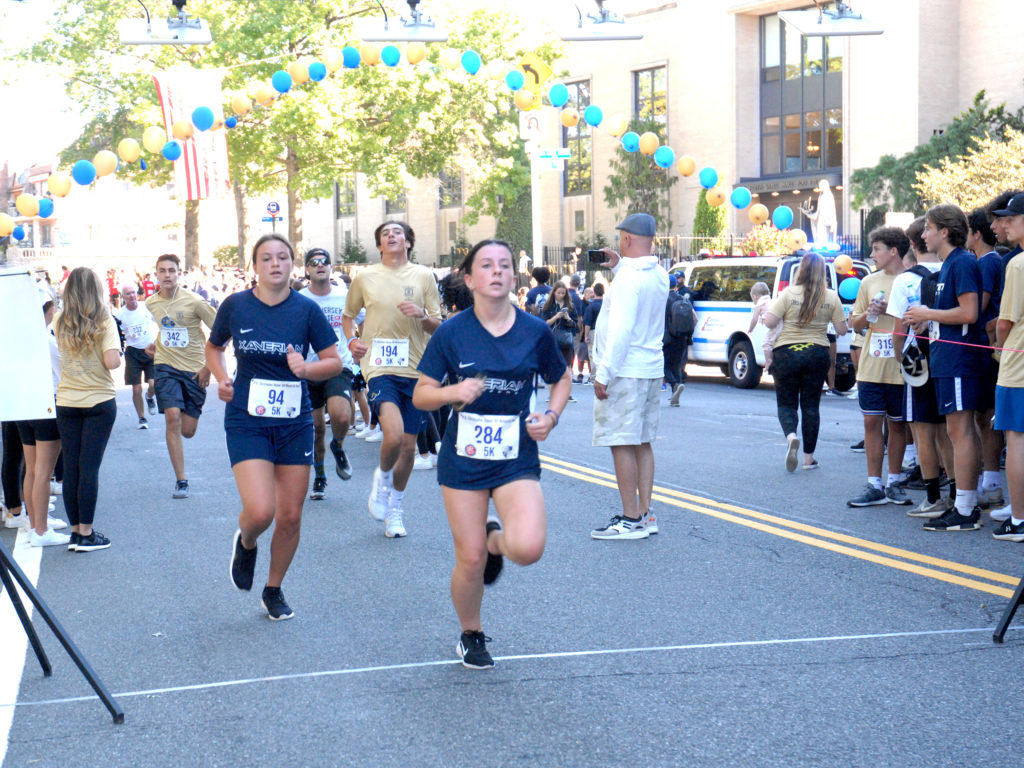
{"x":730,"y":282}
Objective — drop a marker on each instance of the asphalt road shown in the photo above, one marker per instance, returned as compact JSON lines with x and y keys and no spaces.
{"x":767,"y":624}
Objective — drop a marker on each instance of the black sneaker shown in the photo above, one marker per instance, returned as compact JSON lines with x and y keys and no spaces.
{"x":954,"y":521}
{"x":151,"y":404}
{"x":275,"y":606}
{"x":472,"y":650}
{"x":492,"y":569}
{"x":243,"y":563}
{"x":73,"y":544}
{"x":913,"y":481}
{"x":1009,"y":532}
{"x":319,"y":486}
{"x":858,"y":447}
{"x":341,"y":465}
{"x":92,"y":542}
{"x":180,"y":490}
{"x":143,"y":424}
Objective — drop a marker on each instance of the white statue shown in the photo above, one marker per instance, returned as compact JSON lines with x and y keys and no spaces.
{"x":823,"y":220}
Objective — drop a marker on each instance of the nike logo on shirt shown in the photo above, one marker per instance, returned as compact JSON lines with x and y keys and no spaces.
{"x":465,"y":365}
{"x":245,"y":330}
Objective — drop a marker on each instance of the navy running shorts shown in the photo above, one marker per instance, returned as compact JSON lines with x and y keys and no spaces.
{"x":919,"y":404}
{"x":137,"y":363}
{"x":957,"y":393}
{"x":397,"y":390}
{"x":290,"y":443}
{"x":881,"y":399}
{"x":179,"y":389}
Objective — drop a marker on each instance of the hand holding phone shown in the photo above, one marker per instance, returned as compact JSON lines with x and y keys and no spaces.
{"x":597,"y":257}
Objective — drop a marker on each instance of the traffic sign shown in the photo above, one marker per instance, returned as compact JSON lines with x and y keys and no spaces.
{"x":272,"y":208}
{"x":535,"y":72}
{"x":273,"y":218}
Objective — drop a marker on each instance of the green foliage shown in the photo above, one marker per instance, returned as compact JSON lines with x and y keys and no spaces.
{"x":354,"y":253}
{"x":893,"y":179}
{"x":709,"y":220}
{"x":875,"y":218}
{"x":990,"y":166}
{"x":515,"y":221}
{"x":766,"y":240}
{"x":636,"y":181}
{"x":595,"y":243}
{"x":226,"y":255}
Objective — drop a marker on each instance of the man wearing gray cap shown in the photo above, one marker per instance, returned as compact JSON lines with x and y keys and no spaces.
{"x":629,"y":365}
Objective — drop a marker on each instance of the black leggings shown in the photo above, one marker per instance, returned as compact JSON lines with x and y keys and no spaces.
{"x":428,"y":437}
{"x":12,"y":465}
{"x":83,"y":436}
{"x":799,"y":371}
{"x":568,"y":354}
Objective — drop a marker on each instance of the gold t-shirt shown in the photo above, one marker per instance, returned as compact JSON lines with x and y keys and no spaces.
{"x":787,"y":307}
{"x":184,"y":310}
{"x":84,"y":380}
{"x":380,"y":289}
{"x":875,"y":366}
{"x":1011,"y":308}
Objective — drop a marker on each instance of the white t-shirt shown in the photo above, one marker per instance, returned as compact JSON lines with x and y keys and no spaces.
{"x":906,"y":293}
{"x":333,"y":306}
{"x":138,"y":326}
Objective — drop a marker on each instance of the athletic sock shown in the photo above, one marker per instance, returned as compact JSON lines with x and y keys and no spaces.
{"x":386,"y":477}
{"x":991,"y":480}
{"x":319,"y":469}
{"x":892,"y":479}
{"x":395,"y":502}
{"x":965,"y":501}
{"x":910,"y":454}
{"x":931,"y":487}
{"x":876,"y":483}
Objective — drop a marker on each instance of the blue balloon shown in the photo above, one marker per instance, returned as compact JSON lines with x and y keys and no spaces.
{"x":515,"y":80}
{"x":631,"y":141}
{"x":782,"y":216}
{"x":664,"y":157}
{"x":281,"y":81}
{"x":390,"y":55}
{"x":350,"y":56}
{"x":318,"y":71}
{"x":18,"y":233}
{"x":558,"y":95}
{"x":849,"y":287}
{"x":471,"y":62}
{"x":45,"y":207}
{"x":708,"y":177}
{"x":741,"y":198}
{"x":593,"y":115}
{"x":142,"y":164}
{"x":202,"y":118}
{"x":84,"y":172}
{"x":230,"y":122}
{"x":172,"y":150}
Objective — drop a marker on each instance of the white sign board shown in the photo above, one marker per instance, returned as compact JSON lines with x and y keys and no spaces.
{"x":26,"y":388}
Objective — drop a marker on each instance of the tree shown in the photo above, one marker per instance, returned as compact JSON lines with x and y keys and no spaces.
{"x":515,"y":221}
{"x":638,"y":182}
{"x":990,"y":166}
{"x":892,"y":180}
{"x":708,"y":220}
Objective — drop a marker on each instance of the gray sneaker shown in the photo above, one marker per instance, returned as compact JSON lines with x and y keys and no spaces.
{"x":870,"y":497}
{"x":930,"y":509}
{"x":650,"y":522}
{"x":896,"y":495}
{"x":621,"y":528}
{"x":677,"y":391}
{"x":993,"y":497}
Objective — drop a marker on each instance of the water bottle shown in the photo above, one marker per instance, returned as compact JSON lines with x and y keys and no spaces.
{"x":878,"y":297}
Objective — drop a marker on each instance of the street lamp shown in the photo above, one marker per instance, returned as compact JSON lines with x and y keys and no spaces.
{"x":174,"y":30}
{"x":417,"y":27}
{"x":603,"y":25}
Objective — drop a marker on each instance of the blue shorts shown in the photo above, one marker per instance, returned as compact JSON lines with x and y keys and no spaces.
{"x":179,"y":389}
{"x":1010,"y":409}
{"x":957,"y":393}
{"x":397,"y":390}
{"x":881,"y":399}
{"x":919,"y":404}
{"x":288,"y":443}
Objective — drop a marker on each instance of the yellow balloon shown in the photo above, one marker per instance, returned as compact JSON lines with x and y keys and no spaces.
{"x":450,"y":58}
{"x":240,"y":104}
{"x":6,"y":225}
{"x":715,"y":196}
{"x":758,"y":213}
{"x":105,"y":162}
{"x":27,"y":205}
{"x":264,"y":95}
{"x":333,"y":59}
{"x":299,"y":72}
{"x":843,"y":263}
{"x":570,"y":117}
{"x":617,"y":125}
{"x":496,"y":70}
{"x":415,"y":52}
{"x":128,"y":150}
{"x":649,"y":143}
{"x":797,"y":239}
{"x":182,"y":129}
{"x":59,"y":183}
{"x":687,"y":165}
{"x":153,"y":139}
{"x":524,"y":98}
{"x":369,"y":54}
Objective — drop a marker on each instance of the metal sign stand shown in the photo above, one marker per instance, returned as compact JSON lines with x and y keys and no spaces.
{"x":1015,"y":601}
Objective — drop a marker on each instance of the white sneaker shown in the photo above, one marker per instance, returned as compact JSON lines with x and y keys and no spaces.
{"x":15,"y":521}
{"x":650,"y":522}
{"x":364,"y":431}
{"x":393,"y":527}
{"x":993,"y":497}
{"x":49,"y":539}
{"x":622,"y":529}
{"x":1001,"y":514}
{"x":422,"y":462}
{"x":56,"y":489}
{"x":380,"y":492}
{"x":374,"y":435}
{"x":56,"y":523}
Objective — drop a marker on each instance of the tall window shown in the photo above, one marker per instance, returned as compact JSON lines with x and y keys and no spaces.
{"x":576,"y":179}
{"x":345,"y":193}
{"x":650,"y":100}
{"x":449,"y":189}
{"x":801,"y":100}
{"x":399,"y":204}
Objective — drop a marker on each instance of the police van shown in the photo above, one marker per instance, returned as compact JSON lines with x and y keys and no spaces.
{"x":724,"y":308}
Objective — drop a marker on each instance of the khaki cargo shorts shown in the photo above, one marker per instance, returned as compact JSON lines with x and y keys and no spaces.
{"x":630,"y":414}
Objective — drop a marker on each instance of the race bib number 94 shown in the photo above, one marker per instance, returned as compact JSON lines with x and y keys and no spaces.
{"x":275,"y":399}
{"x":174,"y":338}
{"x":488,"y":437}
{"x":388,"y":353}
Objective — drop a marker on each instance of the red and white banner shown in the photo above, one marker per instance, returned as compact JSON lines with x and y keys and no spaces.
{"x":202,"y":171}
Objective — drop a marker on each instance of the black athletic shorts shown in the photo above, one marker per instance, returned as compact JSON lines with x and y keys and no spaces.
{"x":137,"y":363}
{"x":320,"y":391}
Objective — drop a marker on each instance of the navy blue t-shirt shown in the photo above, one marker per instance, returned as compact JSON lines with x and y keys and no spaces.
{"x":462,"y":348}
{"x":261,"y":335}
{"x":537,"y":295}
{"x":991,"y":266}
{"x":1008,"y":256}
{"x":592,"y":311}
{"x":960,"y":274}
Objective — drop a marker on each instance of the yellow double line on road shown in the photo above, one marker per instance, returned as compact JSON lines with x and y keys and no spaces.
{"x":862,"y":549}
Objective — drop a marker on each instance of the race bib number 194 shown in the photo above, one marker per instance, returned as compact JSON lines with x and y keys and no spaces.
{"x":388,"y":353}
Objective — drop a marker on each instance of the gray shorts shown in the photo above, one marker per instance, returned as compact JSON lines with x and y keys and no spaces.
{"x":629,"y":416}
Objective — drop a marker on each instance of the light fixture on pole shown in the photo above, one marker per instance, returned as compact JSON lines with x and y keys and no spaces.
{"x":603,"y":25}
{"x":417,"y":27}
{"x":175,"y":30}
{"x":822,"y":22}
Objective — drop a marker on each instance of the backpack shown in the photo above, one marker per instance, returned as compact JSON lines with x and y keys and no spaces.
{"x":929,"y":283}
{"x":680,"y":316}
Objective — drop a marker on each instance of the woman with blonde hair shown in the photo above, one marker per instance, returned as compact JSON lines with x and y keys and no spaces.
{"x":801,"y":359}
{"x":90,"y":349}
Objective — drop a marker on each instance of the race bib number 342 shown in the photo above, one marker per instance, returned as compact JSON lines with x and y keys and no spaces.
{"x":488,"y":436}
{"x":388,"y":353}
{"x":174,"y":338}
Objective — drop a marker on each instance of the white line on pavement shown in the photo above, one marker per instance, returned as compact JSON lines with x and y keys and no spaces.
{"x":28,"y":559}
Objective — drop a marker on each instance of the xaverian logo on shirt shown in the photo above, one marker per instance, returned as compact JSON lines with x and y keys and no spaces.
{"x":262,"y":347}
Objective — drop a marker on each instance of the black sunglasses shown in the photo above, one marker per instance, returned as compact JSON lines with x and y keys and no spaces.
{"x":318,"y":261}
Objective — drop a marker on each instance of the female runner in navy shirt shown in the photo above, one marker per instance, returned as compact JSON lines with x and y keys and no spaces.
{"x":268,"y":421}
{"x":491,"y":353}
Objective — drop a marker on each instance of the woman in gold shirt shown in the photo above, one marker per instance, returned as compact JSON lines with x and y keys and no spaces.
{"x":90,"y":348}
